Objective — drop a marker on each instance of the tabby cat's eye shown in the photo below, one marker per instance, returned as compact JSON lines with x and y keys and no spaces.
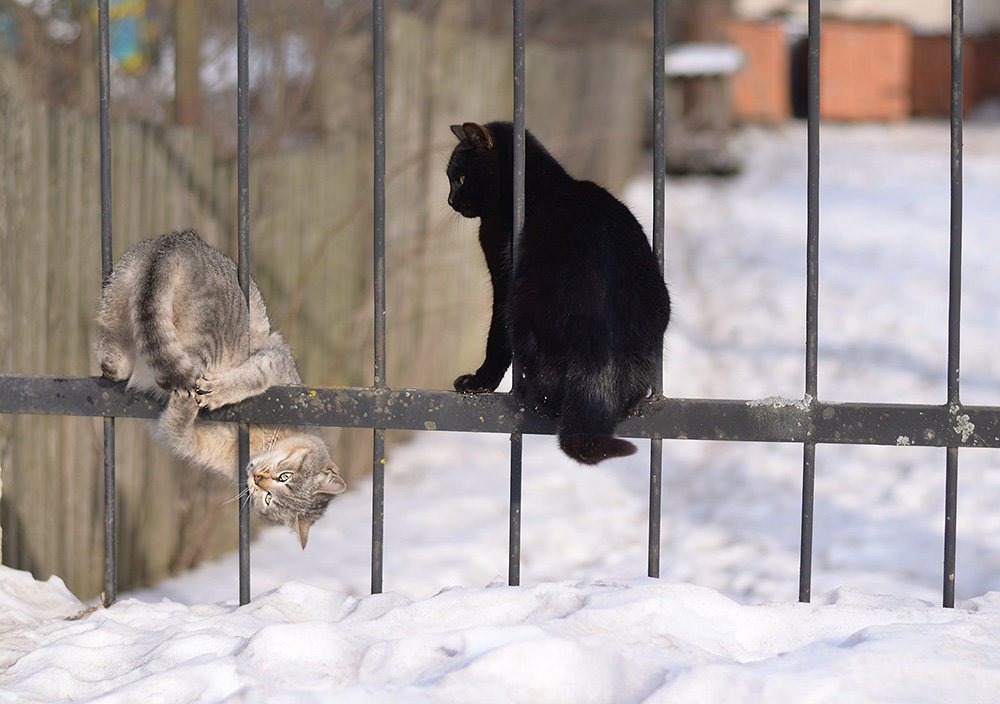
{"x":284,"y":476}
{"x":267,"y":499}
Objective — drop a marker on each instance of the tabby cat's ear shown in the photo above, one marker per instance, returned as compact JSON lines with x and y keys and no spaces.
{"x":476,"y":135}
{"x":302,"y":528}
{"x":330,"y":483}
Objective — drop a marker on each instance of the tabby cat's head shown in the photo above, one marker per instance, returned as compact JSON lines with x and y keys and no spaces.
{"x":473,"y":169}
{"x":293,"y":482}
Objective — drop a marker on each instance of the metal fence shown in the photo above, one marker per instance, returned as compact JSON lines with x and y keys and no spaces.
{"x":807,"y":421}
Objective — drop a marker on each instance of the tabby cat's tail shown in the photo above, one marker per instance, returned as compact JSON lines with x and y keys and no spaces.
{"x":154,"y":323}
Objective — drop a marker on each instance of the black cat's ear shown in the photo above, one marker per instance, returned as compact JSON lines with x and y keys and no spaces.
{"x":457,"y":131}
{"x":302,"y":528}
{"x":478,"y":136}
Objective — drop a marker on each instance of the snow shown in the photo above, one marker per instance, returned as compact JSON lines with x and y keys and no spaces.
{"x":599,"y":641}
{"x":722,"y":624}
{"x":703,"y":59}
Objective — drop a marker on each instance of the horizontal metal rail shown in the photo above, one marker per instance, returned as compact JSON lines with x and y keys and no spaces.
{"x":765,"y":420}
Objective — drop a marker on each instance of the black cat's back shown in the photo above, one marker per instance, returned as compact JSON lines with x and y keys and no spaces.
{"x":587,"y":315}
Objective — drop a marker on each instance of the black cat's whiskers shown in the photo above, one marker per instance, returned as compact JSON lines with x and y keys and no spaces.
{"x":453,"y":220}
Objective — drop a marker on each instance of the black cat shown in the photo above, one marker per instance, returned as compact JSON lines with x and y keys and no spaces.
{"x":587,"y":308}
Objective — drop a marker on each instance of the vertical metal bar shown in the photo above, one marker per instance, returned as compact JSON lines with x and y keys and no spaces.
{"x":954,"y":293}
{"x":655,"y":493}
{"x":516,"y":441}
{"x":806,"y":534}
{"x":244,"y":514}
{"x":514,"y":527}
{"x":812,"y":215}
{"x":378,"y":507}
{"x":950,"y":527}
{"x":955,"y":264}
{"x":659,"y":188}
{"x":378,"y":48}
{"x":812,"y":294}
{"x":104,"y":71}
{"x":110,"y":502}
{"x":378,"y":443}
{"x":110,"y":523}
{"x":243,"y":263}
{"x":519,"y":126}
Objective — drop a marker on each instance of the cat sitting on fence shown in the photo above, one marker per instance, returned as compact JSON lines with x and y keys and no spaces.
{"x":173,"y":321}
{"x":583,"y":308}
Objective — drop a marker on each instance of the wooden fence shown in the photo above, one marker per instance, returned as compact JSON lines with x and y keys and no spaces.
{"x":310,"y":254}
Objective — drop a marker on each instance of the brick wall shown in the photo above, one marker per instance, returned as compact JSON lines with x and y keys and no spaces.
{"x":931,"y":71}
{"x":870,"y":71}
{"x":987,"y":59}
{"x":865,"y":70}
{"x":761,"y":90}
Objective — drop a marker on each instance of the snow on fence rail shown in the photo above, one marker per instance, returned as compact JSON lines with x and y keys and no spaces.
{"x":379,"y":407}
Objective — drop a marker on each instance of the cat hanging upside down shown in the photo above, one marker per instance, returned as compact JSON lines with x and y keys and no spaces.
{"x":586,"y":307}
{"x":173,"y":321}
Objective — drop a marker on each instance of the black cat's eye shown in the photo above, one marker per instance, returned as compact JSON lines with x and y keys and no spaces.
{"x":284,"y":476}
{"x":461,"y":180}
{"x":267,"y":499}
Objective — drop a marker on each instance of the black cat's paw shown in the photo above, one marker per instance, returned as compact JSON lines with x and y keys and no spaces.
{"x":473,"y":384}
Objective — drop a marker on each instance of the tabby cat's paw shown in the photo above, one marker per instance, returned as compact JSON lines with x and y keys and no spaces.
{"x":473,"y":384}
{"x":181,"y":407}
{"x":183,"y":398}
{"x":205,"y":388}
{"x":115,"y":366}
{"x":175,"y":381}
{"x":210,"y":392}
{"x":112,"y":372}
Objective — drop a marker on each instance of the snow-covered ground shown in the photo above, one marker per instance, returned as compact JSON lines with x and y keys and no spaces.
{"x":722,"y":624}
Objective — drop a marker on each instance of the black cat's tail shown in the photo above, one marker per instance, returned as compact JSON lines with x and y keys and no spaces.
{"x":590,"y":411}
{"x":591,"y":449}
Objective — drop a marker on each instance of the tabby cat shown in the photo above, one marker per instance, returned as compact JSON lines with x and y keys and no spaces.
{"x":173,"y":321}
{"x":585,"y":308}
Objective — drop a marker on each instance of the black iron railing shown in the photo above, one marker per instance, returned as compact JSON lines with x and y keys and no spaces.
{"x":807,"y":421}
